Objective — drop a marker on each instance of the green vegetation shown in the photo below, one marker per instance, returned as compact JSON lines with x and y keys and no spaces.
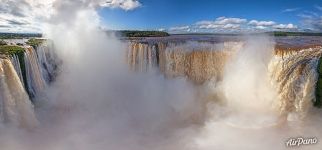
{"x":281,"y":33}
{"x":128,"y":33}
{"x":318,"y":90}
{"x":18,"y":51}
{"x":35,"y":42}
{"x":10,"y":49}
{"x":18,"y":35}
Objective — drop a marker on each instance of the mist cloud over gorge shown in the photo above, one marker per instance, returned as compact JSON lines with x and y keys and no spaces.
{"x":96,"y":103}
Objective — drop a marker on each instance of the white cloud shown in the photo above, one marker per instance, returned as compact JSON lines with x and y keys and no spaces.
{"x":261,"y":27}
{"x":23,"y":15}
{"x":313,"y":23}
{"x":291,"y":9}
{"x":238,"y":25}
{"x":224,"y":20}
{"x":285,"y":26}
{"x":180,"y":29}
{"x":221,"y":23}
{"x":231,"y":26}
{"x":261,"y":23}
{"x":28,"y":15}
{"x":161,"y":29}
{"x":124,"y":4}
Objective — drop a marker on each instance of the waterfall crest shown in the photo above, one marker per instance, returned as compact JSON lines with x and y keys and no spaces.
{"x":35,"y":79}
{"x":16,"y":108}
{"x":293,"y":74}
{"x":48,"y":61}
{"x":197,"y":63}
{"x":16,"y":63}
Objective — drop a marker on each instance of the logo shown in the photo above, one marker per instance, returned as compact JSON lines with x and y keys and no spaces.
{"x":299,"y":141}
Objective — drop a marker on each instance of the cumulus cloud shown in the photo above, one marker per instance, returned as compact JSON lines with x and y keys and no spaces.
{"x":28,"y":15}
{"x":285,"y":26}
{"x":224,"y":20}
{"x":124,"y":4}
{"x":236,"y":25}
{"x":261,"y":23}
{"x":221,"y":23}
{"x":261,"y":27}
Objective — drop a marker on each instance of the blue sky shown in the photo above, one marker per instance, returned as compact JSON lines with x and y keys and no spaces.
{"x":217,"y":16}
{"x":174,"y":16}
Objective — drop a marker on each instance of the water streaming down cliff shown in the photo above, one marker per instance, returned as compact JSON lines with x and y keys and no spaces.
{"x":295,"y":75}
{"x":198,"y":62}
{"x":20,"y":78}
{"x":16,"y":63}
{"x":48,"y":61}
{"x":16,"y":107}
{"x":292,"y":73}
{"x":41,"y":66}
{"x":35,"y":80}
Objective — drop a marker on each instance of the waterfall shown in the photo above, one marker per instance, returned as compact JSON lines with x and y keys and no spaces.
{"x":33,"y":74}
{"x":16,"y":63}
{"x":143,"y":57}
{"x":292,"y":73}
{"x":15,"y":106}
{"x":48,"y":61}
{"x":35,"y":79}
{"x":197,"y":61}
{"x":295,"y":76}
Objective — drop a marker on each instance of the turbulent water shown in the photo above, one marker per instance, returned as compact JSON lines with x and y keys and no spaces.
{"x":35,"y":80}
{"x":208,"y":92}
{"x":16,"y":63}
{"x":19,"y":84}
{"x":198,"y":61}
{"x":293,"y":73}
{"x":16,"y":107}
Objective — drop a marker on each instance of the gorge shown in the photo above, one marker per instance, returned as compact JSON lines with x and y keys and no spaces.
{"x":244,"y":84}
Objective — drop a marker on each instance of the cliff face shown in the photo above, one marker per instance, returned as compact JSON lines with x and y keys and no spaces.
{"x":23,"y":76}
{"x":296,"y":77}
{"x":16,"y":107}
{"x":198,"y":62}
{"x":293,"y":72}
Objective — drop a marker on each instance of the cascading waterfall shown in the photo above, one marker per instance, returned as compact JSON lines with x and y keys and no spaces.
{"x":16,"y":108}
{"x":292,"y":73}
{"x":295,"y":75}
{"x":48,"y":61}
{"x":38,"y":70}
{"x":142,"y":57}
{"x":35,"y":79}
{"x":197,"y":61}
{"x":16,"y":63}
